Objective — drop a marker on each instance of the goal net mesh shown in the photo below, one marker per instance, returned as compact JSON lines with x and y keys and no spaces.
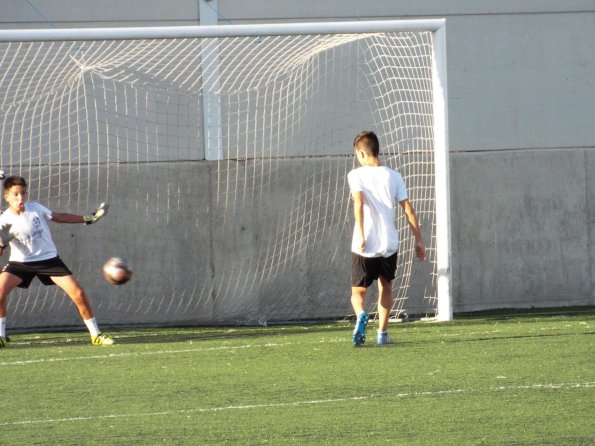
{"x":259,"y":235}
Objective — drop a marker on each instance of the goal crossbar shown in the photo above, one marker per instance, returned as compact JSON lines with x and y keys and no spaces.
{"x":179,"y":32}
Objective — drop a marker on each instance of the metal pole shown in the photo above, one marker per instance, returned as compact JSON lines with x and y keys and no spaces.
{"x":211,"y":107}
{"x":178,"y":32}
{"x":444,"y":291}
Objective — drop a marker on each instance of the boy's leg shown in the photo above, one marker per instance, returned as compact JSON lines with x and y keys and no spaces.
{"x":360,"y":280}
{"x":71,"y":287}
{"x":358,"y":301}
{"x":76,"y":293}
{"x":8,"y":282}
{"x":385,"y":304}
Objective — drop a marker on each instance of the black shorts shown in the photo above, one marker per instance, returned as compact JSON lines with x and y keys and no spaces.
{"x":43,"y":269}
{"x":365,"y":270}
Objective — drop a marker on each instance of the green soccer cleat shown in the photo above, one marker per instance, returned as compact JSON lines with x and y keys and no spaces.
{"x":3,"y":341}
{"x":101,"y":339}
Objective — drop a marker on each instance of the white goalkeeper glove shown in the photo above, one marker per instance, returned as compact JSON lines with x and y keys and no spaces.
{"x":100,"y":212}
{"x":5,"y":235}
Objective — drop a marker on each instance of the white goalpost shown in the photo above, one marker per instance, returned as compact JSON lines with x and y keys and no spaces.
{"x":223,"y":152}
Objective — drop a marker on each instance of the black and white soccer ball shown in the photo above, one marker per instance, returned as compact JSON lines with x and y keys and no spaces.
{"x":117,"y":271}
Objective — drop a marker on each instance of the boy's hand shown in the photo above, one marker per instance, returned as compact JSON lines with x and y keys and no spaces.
{"x":420,"y":250}
{"x":5,"y":235}
{"x":100,"y":212}
{"x":362,"y":246}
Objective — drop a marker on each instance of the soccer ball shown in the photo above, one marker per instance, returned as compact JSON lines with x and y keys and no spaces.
{"x":117,"y":271}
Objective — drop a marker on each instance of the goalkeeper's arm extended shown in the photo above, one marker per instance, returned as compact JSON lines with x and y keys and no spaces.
{"x":93,"y":217}
{"x":62,"y":217}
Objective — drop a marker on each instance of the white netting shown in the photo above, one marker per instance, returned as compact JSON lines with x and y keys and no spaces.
{"x":259,"y":235}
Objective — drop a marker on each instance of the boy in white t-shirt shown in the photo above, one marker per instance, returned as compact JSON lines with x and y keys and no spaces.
{"x":375,"y":243}
{"x":33,"y":253}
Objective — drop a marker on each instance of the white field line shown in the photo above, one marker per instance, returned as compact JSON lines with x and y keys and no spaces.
{"x":558,"y":386}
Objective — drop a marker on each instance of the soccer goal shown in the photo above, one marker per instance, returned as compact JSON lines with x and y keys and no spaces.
{"x":223,"y":152}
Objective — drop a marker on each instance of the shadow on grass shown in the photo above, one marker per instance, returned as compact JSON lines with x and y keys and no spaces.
{"x":275,"y":333}
{"x":164,"y":335}
{"x":525,"y":313}
{"x":494,"y":338}
{"x":195,"y":334}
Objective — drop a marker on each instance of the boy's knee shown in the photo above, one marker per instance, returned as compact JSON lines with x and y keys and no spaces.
{"x":358,"y":291}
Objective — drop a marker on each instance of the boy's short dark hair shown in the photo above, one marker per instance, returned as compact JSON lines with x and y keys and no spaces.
{"x":14,"y":181}
{"x":368,"y":142}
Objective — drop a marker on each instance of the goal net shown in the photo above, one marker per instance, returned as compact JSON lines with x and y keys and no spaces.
{"x":223,"y":153}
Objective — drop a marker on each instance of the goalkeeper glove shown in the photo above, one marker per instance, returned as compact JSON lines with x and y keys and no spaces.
{"x":5,"y":235}
{"x":100,"y":212}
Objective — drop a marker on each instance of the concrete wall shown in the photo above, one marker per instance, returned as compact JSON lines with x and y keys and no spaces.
{"x":523,"y":228}
{"x":521,"y":106}
{"x":198,"y":259}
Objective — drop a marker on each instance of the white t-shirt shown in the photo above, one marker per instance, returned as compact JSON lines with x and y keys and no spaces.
{"x":381,"y":187}
{"x":32,"y":241}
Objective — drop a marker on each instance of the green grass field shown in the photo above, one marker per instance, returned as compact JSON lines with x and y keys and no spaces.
{"x":525,"y":379}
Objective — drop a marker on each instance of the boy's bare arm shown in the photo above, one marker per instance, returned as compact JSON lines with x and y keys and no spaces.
{"x":420,"y":248}
{"x":63,"y":217}
{"x":358,"y":212}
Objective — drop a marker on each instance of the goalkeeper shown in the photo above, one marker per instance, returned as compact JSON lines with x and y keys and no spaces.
{"x":374,"y":189}
{"x":24,"y":227}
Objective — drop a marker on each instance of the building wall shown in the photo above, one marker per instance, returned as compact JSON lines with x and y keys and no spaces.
{"x":522,"y":140}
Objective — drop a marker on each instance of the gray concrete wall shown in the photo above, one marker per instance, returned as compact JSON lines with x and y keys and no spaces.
{"x":198,"y":259}
{"x":520,"y":78}
{"x":523,"y":228}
